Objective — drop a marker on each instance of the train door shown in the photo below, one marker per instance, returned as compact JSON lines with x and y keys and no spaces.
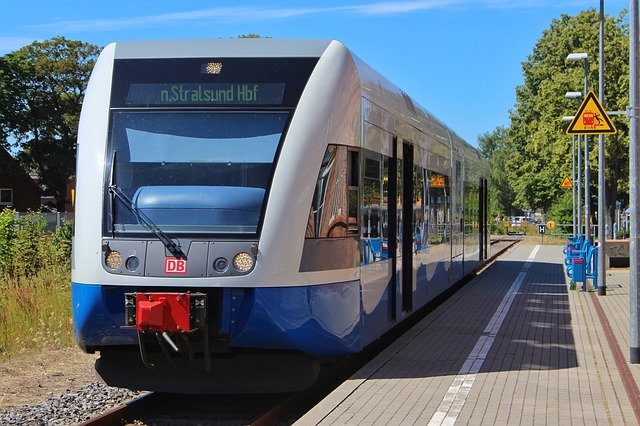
{"x":457,"y":222}
{"x":484,"y":219}
{"x":395,"y":188}
{"x":405,"y":185}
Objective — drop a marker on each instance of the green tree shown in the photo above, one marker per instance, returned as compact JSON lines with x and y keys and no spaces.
{"x":541,"y":152}
{"x":41,"y":90}
{"x":495,"y":146}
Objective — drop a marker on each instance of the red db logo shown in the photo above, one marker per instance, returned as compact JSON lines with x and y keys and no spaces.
{"x":175,"y":266}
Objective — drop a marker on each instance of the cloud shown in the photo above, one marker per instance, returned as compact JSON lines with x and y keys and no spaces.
{"x":252,"y":14}
{"x":215,"y":14}
{"x":388,"y":8}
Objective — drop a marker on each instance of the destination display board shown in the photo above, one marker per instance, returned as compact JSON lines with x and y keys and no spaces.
{"x":437,"y":181}
{"x":205,"y":94}
{"x":209,"y":82}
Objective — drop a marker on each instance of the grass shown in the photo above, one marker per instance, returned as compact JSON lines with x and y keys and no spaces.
{"x":35,"y":295}
{"x":35,"y":312}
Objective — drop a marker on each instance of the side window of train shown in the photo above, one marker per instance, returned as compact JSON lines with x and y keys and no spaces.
{"x":471,"y":208}
{"x":458,"y":198}
{"x":419,"y":204}
{"x":333,"y":211}
{"x":438,"y":221}
{"x":374,"y":222}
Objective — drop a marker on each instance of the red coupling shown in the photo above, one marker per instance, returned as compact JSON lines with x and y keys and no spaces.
{"x":159,"y":312}
{"x":150,"y":314}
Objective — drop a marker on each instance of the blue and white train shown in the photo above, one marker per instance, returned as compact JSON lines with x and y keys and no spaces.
{"x":249,"y":209}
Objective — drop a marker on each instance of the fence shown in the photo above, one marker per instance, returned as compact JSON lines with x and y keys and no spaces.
{"x":53,"y":219}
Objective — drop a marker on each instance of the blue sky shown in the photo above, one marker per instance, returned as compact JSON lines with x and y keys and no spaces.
{"x":460,"y":59}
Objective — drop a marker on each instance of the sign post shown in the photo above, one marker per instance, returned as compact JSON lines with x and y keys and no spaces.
{"x":541,"y":230}
{"x":592,"y":119}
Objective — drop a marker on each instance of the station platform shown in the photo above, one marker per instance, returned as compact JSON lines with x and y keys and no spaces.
{"x":513,"y":346}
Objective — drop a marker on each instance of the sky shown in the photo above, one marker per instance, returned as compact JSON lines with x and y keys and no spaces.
{"x":460,"y":59}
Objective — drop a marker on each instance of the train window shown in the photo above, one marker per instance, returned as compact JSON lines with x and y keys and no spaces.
{"x":354,"y":192}
{"x":471,"y":208}
{"x":458,"y":187}
{"x":195,"y":172}
{"x":438,"y":213}
{"x":420,"y":232}
{"x":374,"y":215}
{"x":334,"y":201}
{"x":372,"y":195}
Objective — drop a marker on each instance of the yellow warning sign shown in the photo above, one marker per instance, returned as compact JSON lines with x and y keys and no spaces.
{"x":591,"y":119}
{"x":566,"y":183}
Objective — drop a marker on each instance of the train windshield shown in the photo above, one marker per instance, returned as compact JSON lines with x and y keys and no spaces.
{"x":191,"y":171}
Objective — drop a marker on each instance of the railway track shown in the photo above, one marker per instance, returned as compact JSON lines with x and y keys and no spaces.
{"x":262,"y":409}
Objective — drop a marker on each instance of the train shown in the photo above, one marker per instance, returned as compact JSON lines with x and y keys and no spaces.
{"x":249,"y":211}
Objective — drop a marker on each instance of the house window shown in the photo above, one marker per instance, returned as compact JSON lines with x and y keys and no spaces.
{"x":6,"y":196}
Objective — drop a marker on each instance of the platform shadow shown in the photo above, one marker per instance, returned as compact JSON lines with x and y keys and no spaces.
{"x":535,"y":333}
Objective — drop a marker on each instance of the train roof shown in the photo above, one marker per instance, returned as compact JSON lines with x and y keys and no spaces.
{"x":222,"y":48}
{"x":374,"y":86}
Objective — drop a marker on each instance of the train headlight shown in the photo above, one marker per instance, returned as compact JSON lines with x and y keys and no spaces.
{"x":132,"y":263}
{"x":243,"y":262}
{"x":221,"y":264}
{"x":113,"y":259}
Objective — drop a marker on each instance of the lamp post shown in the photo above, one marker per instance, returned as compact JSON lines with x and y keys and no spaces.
{"x":577,"y":186}
{"x":602,"y":232}
{"x":634,"y":176}
{"x":576,"y":221}
{"x":575,"y":57}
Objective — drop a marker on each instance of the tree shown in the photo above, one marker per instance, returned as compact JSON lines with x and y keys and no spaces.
{"x":494,"y":145}
{"x":540,"y":150}
{"x":41,"y":90}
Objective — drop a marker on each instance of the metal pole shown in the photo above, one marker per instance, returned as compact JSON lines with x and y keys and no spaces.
{"x":573,"y":180}
{"x":579,"y":187}
{"x":587,"y":198}
{"x":602,"y":201}
{"x":634,"y":176}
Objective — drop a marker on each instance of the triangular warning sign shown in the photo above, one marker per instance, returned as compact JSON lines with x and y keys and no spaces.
{"x":591,"y":119}
{"x":566,"y":183}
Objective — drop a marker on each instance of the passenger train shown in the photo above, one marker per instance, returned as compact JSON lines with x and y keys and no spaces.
{"x":248,"y":210}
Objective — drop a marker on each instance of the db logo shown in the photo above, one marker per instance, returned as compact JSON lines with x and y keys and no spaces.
{"x":175,"y":266}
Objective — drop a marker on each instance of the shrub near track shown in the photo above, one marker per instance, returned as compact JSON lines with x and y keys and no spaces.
{"x":35,"y":296}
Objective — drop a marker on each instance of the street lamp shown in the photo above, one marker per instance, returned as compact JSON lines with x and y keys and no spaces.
{"x":576,"y":221}
{"x":575,"y":57}
{"x":602,"y":196}
{"x":577,"y":206}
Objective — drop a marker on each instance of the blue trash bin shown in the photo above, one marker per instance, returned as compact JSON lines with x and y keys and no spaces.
{"x":578,"y":271}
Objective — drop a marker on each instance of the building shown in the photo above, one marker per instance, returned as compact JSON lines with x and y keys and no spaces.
{"x":17,"y":190}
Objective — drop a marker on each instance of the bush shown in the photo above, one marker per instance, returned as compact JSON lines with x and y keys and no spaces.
{"x":25,"y":247}
{"x":35,"y":296}
{"x":7,"y":239}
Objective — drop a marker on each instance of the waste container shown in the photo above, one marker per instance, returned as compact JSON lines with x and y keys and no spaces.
{"x":579,"y":272}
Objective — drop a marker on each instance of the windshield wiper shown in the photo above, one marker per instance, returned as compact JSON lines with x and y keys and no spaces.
{"x":173,"y":248}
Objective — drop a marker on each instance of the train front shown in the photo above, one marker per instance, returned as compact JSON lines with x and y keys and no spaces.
{"x":197,"y":165}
